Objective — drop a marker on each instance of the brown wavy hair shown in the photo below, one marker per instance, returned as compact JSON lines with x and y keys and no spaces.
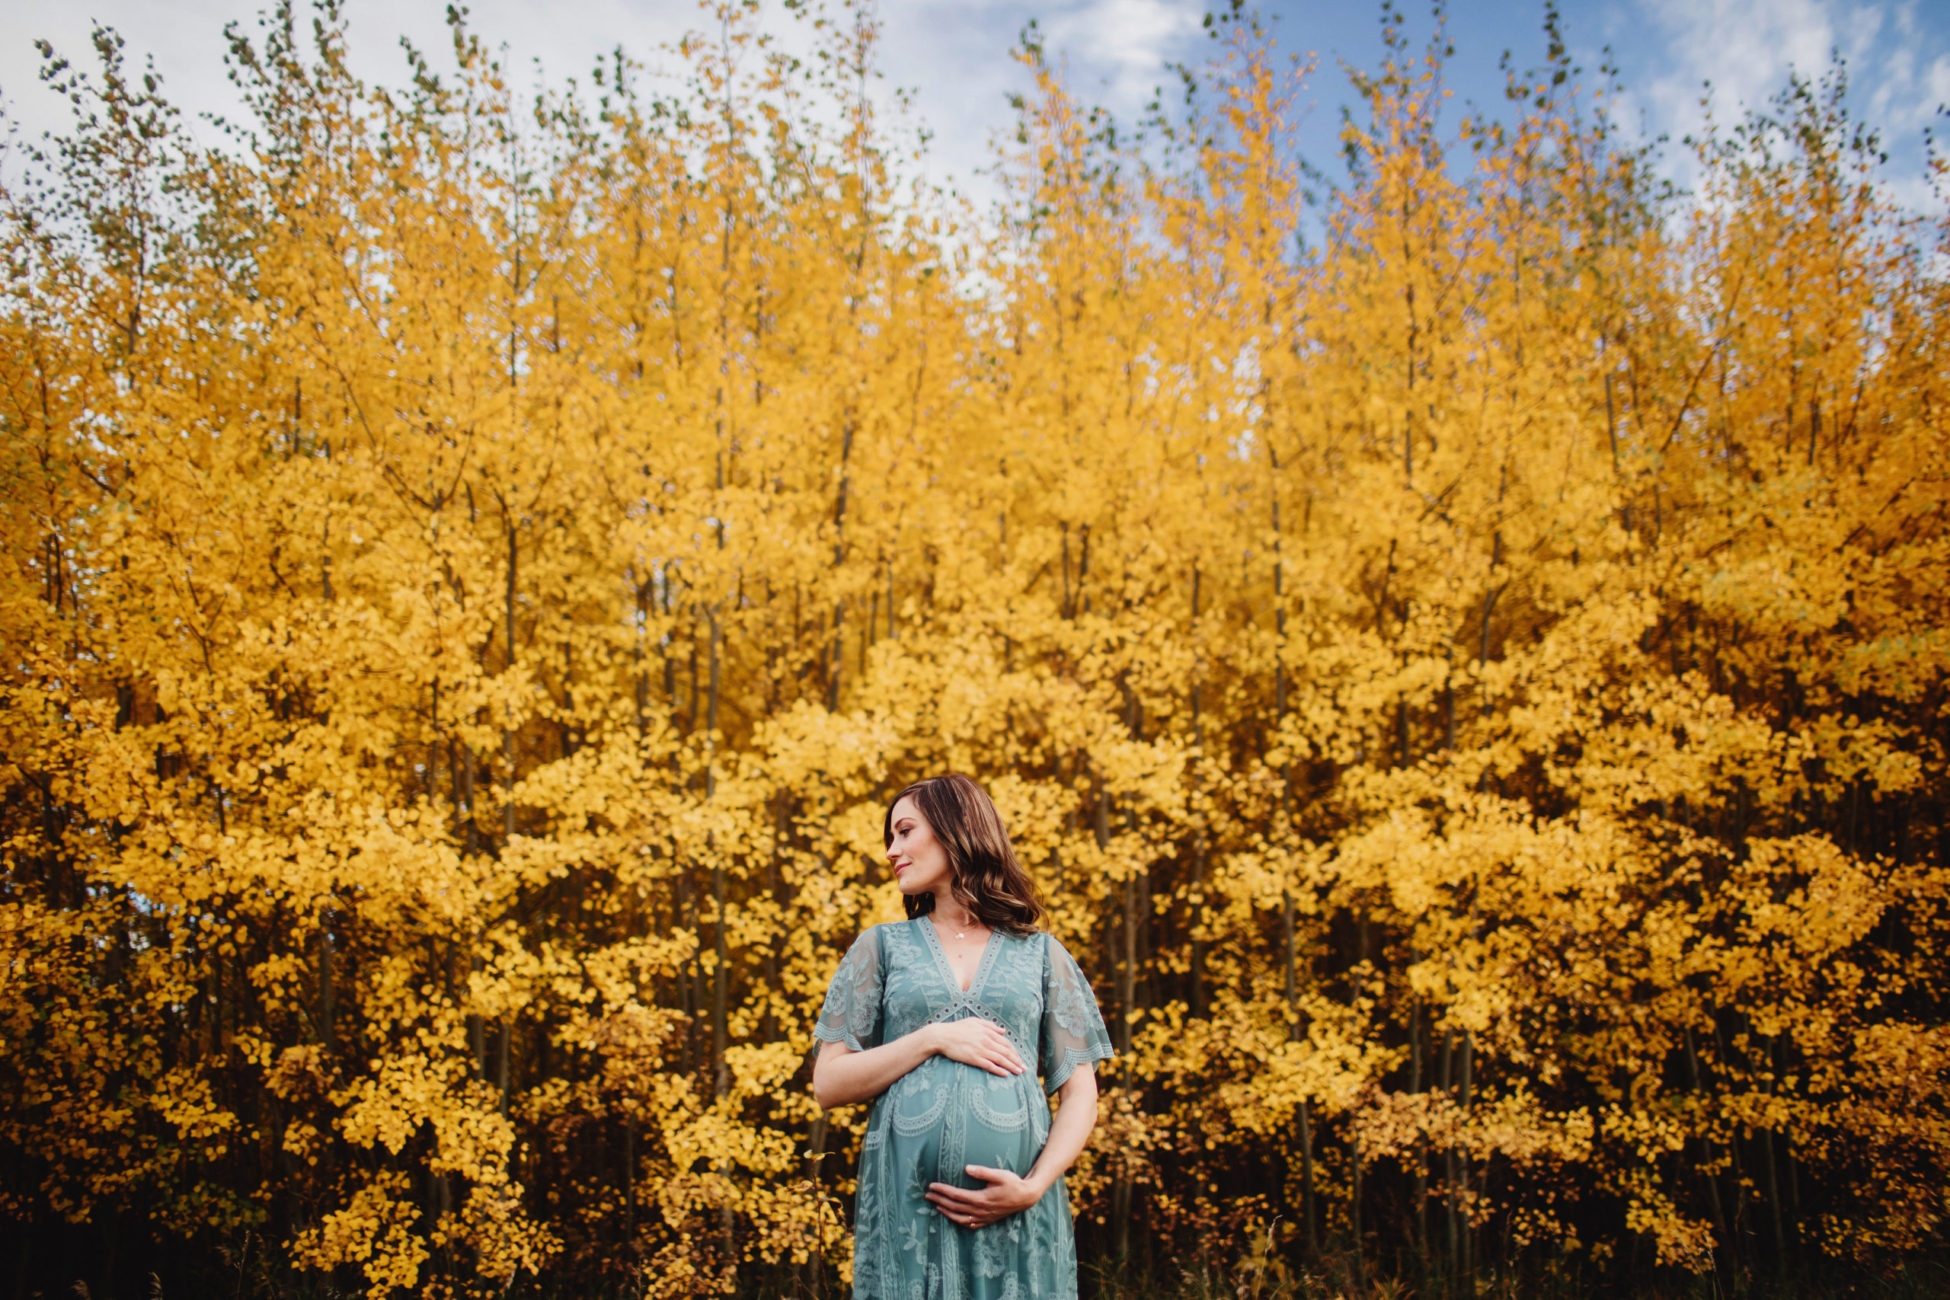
{"x":988,"y":879}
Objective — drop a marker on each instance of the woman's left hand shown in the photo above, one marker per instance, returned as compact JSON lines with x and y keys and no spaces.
{"x":1005,"y":1194}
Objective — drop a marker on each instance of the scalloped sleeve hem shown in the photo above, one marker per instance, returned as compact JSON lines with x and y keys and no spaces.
{"x":1055,"y":1080}
{"x":825,"y":1034}
{"x":1073,"y":1031}
{"x":851,"y":1013}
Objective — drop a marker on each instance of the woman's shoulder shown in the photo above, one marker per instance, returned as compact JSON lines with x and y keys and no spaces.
{"x":869,"y":940}
{"x":1033,"y":942}
{"x":1054,"y":953}
{"x":881,"y":933}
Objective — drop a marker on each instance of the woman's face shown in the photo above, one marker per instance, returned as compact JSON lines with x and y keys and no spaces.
{"x":919,"y":861}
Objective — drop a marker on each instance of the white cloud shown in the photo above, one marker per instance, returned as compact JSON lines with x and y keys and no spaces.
{"x":1742,"y":52}
{"x":953,"y":55}
{"x":185,"y":39}
{"x":1125,"y":43}
{"x":1745,"y":49}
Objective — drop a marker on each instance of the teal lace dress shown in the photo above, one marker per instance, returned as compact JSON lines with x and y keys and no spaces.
{"x":943,"y":1115}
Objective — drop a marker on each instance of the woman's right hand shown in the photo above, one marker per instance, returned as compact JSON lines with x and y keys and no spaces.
{"x":980,"y":1043}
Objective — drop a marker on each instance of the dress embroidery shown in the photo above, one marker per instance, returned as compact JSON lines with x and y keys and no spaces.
{"x":943,"y":1115}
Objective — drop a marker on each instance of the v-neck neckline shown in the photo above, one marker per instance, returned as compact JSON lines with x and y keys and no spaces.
{"x":948,"y":968}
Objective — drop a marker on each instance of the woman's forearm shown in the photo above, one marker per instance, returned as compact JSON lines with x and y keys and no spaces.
{"x":842,"y":1076}
{"x":1075,"y":1117}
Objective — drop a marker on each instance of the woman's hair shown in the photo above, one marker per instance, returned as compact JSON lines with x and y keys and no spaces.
{"x":988,"y":880}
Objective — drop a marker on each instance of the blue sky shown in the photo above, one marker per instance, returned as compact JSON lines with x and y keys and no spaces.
{"x":954,"y":54}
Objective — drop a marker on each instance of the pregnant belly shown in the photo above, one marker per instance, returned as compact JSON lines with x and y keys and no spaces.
{"x":943,"y":1115}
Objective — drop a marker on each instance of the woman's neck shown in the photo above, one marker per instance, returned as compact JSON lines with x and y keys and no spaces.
{"x":955,"y":916}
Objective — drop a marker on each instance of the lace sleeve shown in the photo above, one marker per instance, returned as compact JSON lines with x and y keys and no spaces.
{"x":851,"y":1014}
{"x":1073,"y":1027}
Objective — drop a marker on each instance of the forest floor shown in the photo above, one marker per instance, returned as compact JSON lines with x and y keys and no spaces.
{"x":1921,"y":1278}
{"x":1333,"y":1277}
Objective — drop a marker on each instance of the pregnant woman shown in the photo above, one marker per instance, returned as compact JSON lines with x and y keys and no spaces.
{"x":945,"y":1021}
